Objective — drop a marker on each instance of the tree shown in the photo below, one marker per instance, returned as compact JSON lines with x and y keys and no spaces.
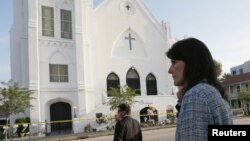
{"x":225,"y":76}
{"x":121,"y":95}
{"x":13,"y":99}
{"x":244,"y":96}
{"x":218,"y":67}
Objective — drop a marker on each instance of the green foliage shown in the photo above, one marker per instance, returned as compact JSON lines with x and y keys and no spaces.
{"x":225,"y":76}
{"x":22,"y":120}
{"x":20,"y":128}
{"x":104,"y":119}
{"x":13,"y":99}
{"x":88,"y":128}
{"x":121,"y":95}
{"x":244,"y":96}
{"x":170,"y":117}
{"x":218,"y":66}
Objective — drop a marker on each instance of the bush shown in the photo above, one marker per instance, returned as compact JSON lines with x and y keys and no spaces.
{"x":237,"y":112}
{"x":88,"y":128}
{"x":170,"y":117}
{"x":104,"y":119}
{"x":21,"y":129}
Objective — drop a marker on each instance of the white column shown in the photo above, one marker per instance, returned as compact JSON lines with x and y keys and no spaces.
{"x":81,"y":104}
{"x":33,"y":59}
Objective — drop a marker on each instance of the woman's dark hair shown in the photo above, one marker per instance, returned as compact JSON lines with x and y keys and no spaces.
{"x":199,"y":63}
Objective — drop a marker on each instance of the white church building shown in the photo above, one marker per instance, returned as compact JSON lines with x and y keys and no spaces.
{"x":69,"y":53}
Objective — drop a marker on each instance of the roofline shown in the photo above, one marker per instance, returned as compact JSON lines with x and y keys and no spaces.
{"x":236,"y":83}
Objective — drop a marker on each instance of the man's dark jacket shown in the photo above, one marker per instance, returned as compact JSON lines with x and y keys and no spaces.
{"x":128,"y":129}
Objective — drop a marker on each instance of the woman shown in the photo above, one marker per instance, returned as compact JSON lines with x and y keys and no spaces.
{"x":204,"y":101}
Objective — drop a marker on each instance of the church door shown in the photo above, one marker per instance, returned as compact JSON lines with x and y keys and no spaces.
{"x":60,"y":111}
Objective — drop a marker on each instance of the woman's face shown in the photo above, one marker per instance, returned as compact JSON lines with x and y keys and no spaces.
{"x":177,"y":70}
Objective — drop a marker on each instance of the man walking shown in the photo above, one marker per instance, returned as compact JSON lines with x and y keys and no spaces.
{"x":127,"y":128}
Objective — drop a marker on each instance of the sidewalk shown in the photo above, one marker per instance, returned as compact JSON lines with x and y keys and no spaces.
{"x":69,"y":137}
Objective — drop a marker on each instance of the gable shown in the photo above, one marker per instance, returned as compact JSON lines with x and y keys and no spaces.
{"x":128,"y":45}
{"x":118,"y":9}
{"x":111,"y":23}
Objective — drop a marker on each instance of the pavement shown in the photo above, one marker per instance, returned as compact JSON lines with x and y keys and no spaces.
{"x":68,"y":137}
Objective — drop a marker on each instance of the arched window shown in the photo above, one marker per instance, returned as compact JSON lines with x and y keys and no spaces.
{"x":112,"y":81}
{"x":151,"y":85}
{"x":133,"y":80}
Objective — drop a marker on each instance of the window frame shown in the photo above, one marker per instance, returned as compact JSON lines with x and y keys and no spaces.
{"x":151,"y":84}
{"x":133,"y":80}
{"x":59,"y":76}
{"x":66,"y":23}
{"x":112,"y":81}
{"x":48,"y":29}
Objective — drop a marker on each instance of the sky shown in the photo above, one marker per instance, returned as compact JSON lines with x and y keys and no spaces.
{"x":223,"y":25}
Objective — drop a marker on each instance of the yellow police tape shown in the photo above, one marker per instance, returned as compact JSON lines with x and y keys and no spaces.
{"x":81,"y":119}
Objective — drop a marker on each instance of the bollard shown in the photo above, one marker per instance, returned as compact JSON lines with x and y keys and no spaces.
{"x":46,"y":132}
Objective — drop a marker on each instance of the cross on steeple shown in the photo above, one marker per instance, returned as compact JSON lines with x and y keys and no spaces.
{"x":130,"y":39}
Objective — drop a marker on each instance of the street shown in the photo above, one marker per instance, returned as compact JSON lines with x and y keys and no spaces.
{"x":160,"y":134}
{"x":149,"y":135}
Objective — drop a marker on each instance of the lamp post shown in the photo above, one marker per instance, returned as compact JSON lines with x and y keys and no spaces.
{"x":74,"y":108}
